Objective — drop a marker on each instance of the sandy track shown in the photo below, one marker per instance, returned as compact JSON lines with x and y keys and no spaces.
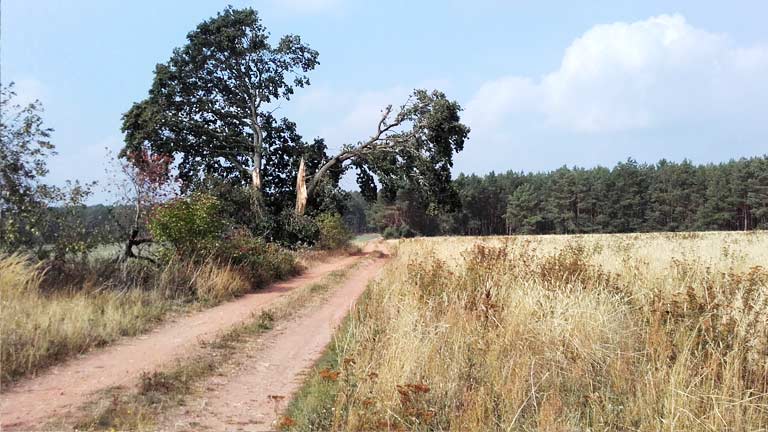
{"x":240,"y":401}
{"x":32,"y":402}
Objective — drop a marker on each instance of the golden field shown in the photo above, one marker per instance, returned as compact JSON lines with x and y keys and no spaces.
{"x":639,"y":332}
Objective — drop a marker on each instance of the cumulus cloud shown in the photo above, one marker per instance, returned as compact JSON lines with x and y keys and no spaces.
{"x":623,"y":76}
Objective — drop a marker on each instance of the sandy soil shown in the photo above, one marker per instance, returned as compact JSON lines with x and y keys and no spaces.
{"x":242,"y":399}
{"x":60,"y":389}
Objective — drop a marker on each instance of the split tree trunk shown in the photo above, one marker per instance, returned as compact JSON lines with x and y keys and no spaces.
{"x":301,"y":189}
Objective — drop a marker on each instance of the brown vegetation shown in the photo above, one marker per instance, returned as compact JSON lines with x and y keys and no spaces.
{"x":50,"y":313}
{"x":611,"y":332}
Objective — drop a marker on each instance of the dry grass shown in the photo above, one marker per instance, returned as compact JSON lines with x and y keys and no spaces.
{"x":653,"y":332}
{"x":50,"y":314}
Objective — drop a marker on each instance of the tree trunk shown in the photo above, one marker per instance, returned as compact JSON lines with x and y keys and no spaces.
{"x":256,"y":180}
{"x":133,"y":238}
{"x":746,"y":217}
{"x":257,"y":144}
{"x":301,"y":189}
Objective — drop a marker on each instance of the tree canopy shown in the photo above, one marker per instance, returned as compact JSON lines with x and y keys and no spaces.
{"x":410,"y":148}
{"x":206,"y":106}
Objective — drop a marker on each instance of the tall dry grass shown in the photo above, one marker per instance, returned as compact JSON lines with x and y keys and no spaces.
{"x":49,"y":314}
{"x":655,"y":332}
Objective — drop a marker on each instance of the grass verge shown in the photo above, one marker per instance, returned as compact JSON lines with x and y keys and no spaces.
{"x":50,"y":313}
{"x":312,"y":408}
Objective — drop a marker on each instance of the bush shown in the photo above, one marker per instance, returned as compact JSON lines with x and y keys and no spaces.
{"x":391,"y":233}
{"x":292,"y":230}
{"x":192,"y":224}
{"x":333,"y":233}
{"x":263,"y":262}
{"x":403,"y":231}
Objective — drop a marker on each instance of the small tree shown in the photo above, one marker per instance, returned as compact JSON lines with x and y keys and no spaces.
{"x":333,"y":233}
{"x":193,"y":225}
{"x":143,"y":180}
{"x":27,"y":218}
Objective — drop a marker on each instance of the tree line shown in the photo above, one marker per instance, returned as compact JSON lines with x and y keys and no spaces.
{"x":630,"y":197}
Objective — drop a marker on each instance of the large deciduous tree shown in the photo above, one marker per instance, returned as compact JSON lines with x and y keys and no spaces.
{"x":207,"y":104}
{"x":410,"y":147}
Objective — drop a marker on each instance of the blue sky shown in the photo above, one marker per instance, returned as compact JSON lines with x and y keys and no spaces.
{"x":543,"y":83}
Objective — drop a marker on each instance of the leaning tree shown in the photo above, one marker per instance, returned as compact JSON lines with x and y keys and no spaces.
{"x":207,"y":106}
{"x":411,"y":147}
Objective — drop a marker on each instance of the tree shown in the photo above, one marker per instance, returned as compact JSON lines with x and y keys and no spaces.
{"x":355,"y":217}
{"x":758,"y":191}
{"x":24,"y":148}
{"x":413,"y":147}
{"x":563,"y":201}
{"x":206,"y":104}
{"x":523,"y":210}
{"x":143,"y":182}
{"x":628,"y":192}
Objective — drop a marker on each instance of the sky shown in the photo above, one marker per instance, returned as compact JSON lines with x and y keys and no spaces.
{"x":543,"y":83}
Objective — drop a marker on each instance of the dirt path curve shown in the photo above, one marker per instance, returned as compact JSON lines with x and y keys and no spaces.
{"x":33,"y":401}
{"x":241,"y":400}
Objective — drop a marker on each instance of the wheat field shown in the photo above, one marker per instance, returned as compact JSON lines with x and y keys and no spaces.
{"x":639,"y":332}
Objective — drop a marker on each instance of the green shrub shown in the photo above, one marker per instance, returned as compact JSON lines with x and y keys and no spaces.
{"x":333,"y":233}
{"x":263,"y":262}
{"x":292,"y":230}
{"x":403,"y":231}
{"x":391,"y":232}
{"x":193,"y":224}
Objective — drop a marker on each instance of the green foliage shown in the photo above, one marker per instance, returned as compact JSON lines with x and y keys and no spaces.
{"x":204,"y":107}
{"x":263,"y":262}
{"x":290,"y":229}
{"x":412,"y":149}
{"x":333,"y":233}
{"x":24,"y":148}
{"x":523,"y":210}
{"x":355,"y":213}
{"x":630,"y":197}
{"x":402,"y":231}
{"x":193,"y":225}
{"x":36,"y":217}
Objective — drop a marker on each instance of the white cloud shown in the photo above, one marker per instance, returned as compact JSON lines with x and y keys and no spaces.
{"x":645,"y":74}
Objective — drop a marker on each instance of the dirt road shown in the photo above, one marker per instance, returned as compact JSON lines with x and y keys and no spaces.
{"x":58,"y":390}
{"x":241,"y":401}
